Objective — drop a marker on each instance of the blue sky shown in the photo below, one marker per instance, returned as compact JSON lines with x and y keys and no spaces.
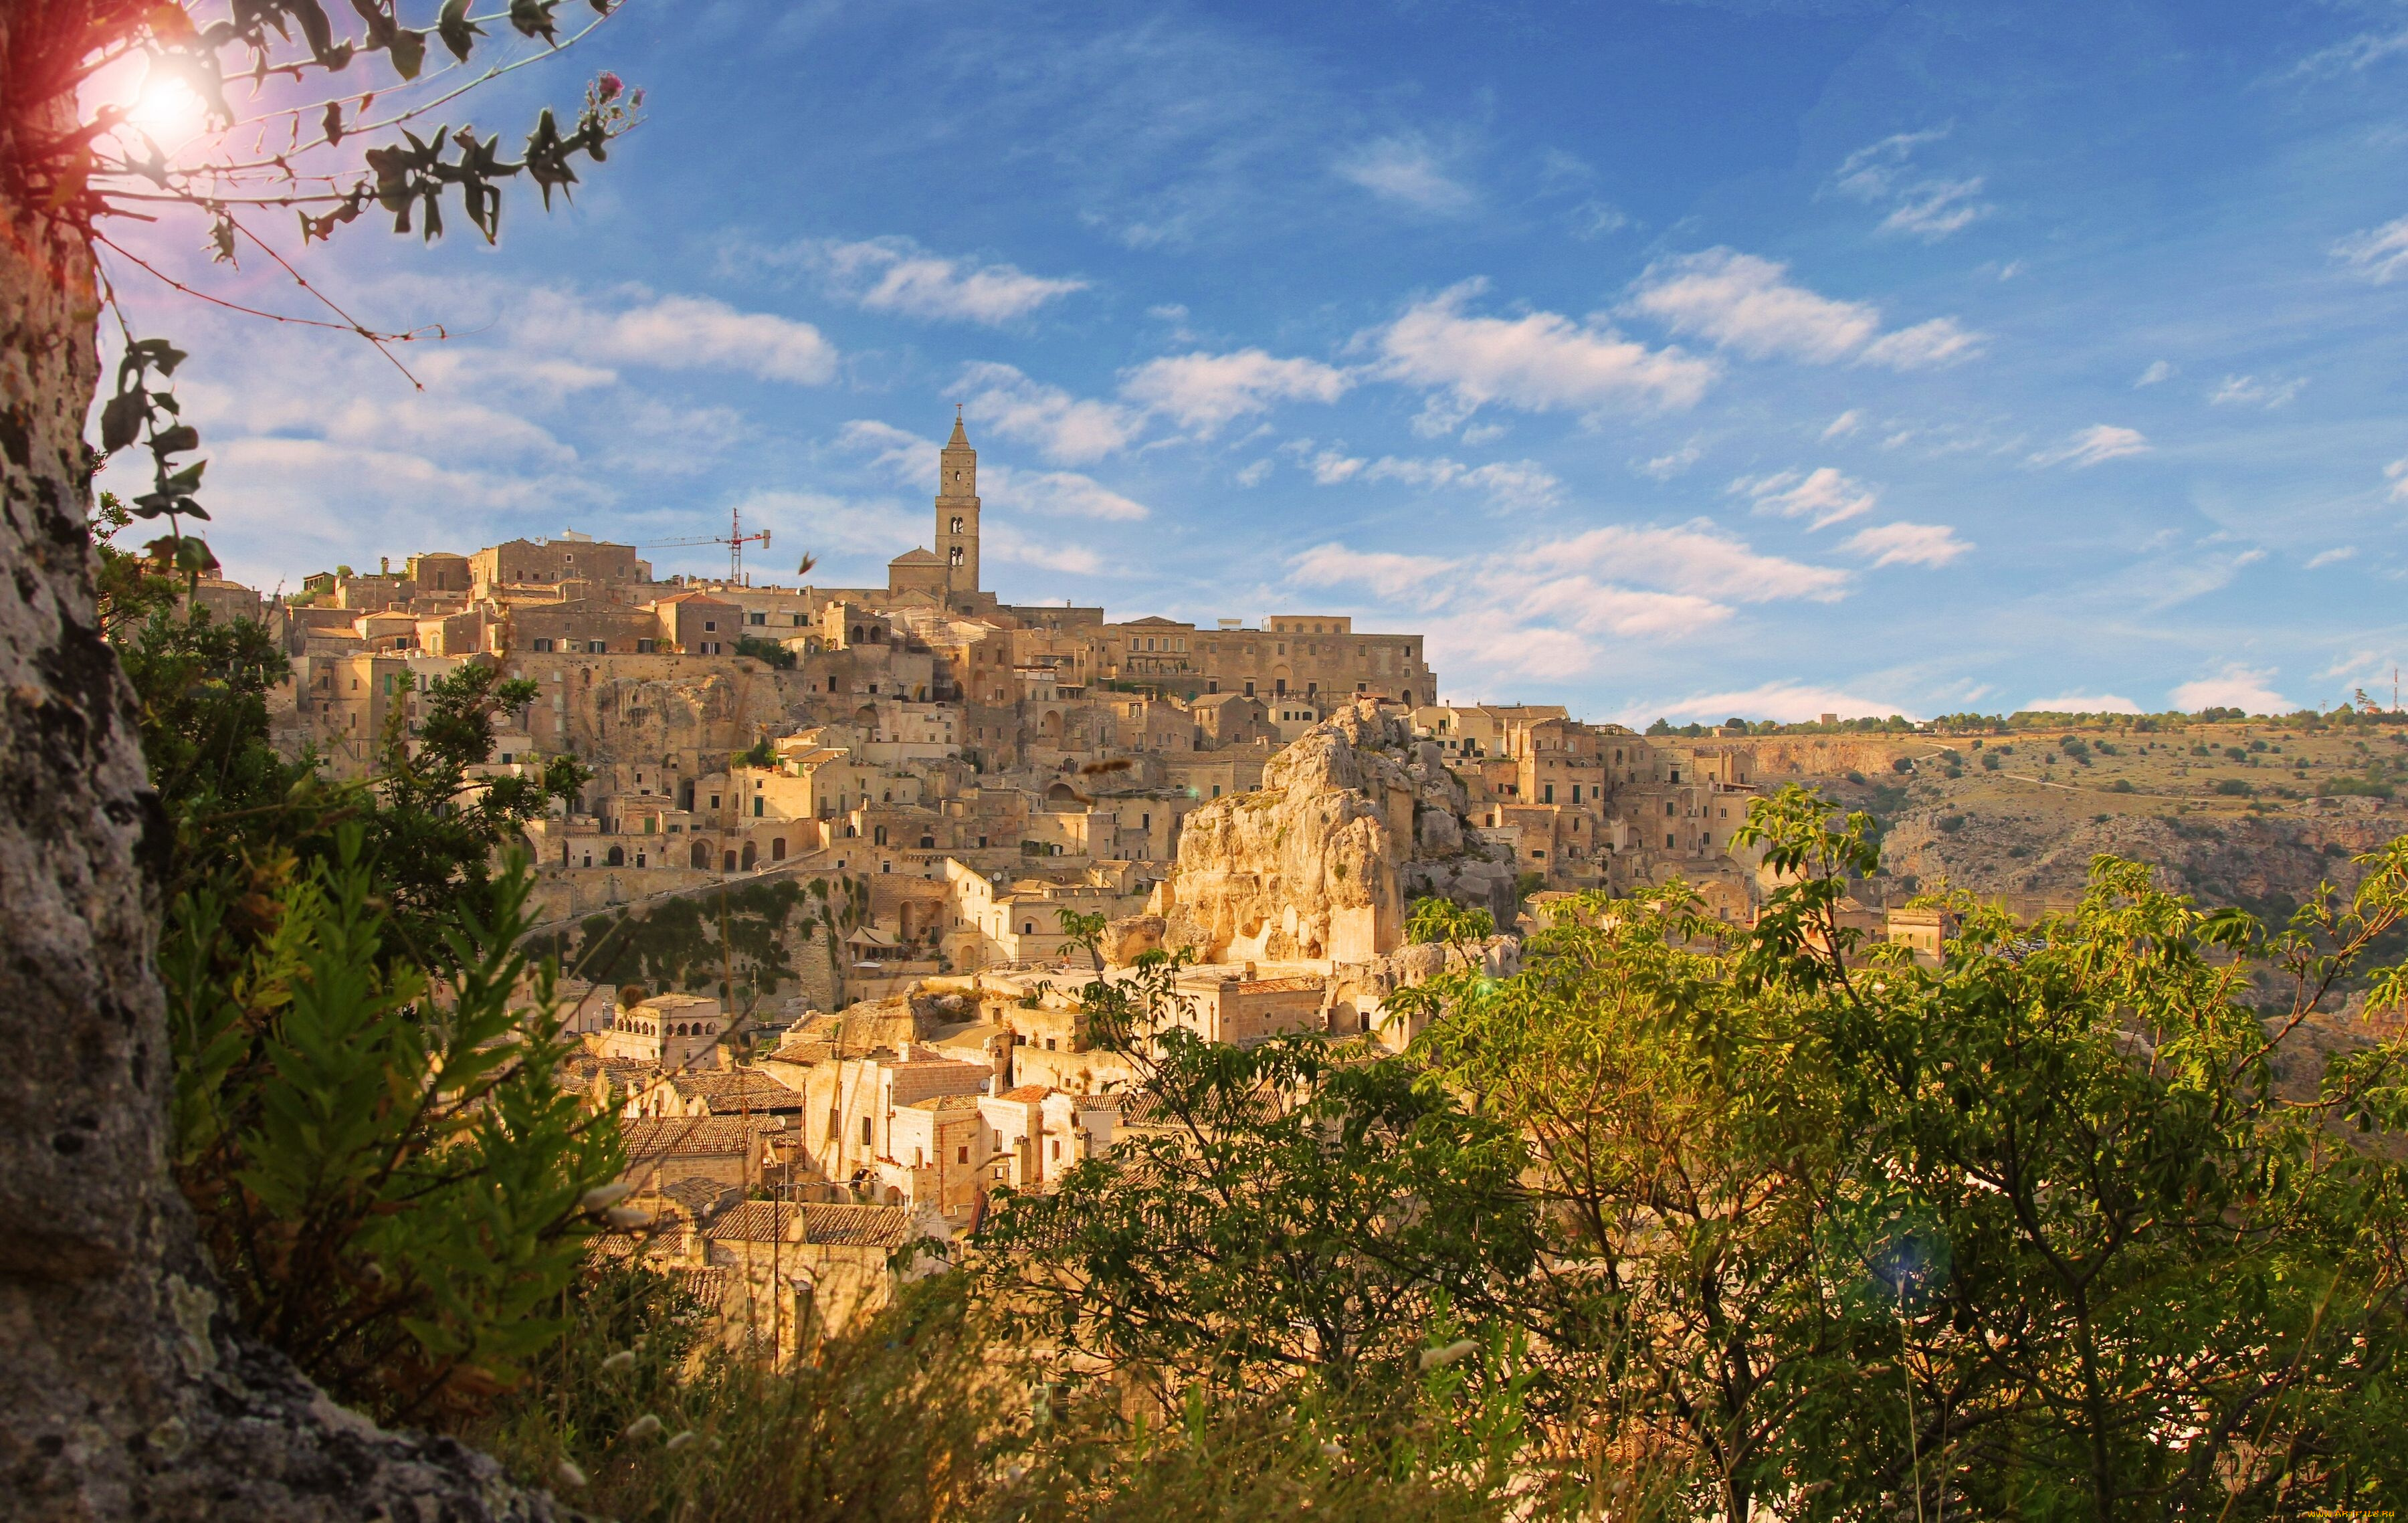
{"x":1652,"y":358}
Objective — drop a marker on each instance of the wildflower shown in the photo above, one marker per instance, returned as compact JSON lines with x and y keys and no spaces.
{"x":620,"y":1362}
{"x":682,"y":1439}
{"x":610,"y":85}
{"x":568,"y":1475}
{"x":643,"y":1428}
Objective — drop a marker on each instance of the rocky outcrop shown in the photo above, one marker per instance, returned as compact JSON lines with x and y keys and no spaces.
{"x":1131,"y":937}
{"x":124,"y":1391}
{"x":1351,"y":820}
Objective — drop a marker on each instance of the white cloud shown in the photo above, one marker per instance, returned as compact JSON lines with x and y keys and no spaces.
{"x":1205,"y":391}
{"x":1937,"y":208}
{"x":1540,"y":609}
{"x":1667,"y":465}
{"x":1060,"y":492}
{"x":1822,"y":497}
{"x":1385,"y":572}
{"x":2158,"y":370}
{"x":1516,"y":485}
{"x":1051,"y":553}
{"x":1742,"y":302}
{"x":2380,"y":255}
{"x":1908,"y":544}
{"x":2092,"y":445}
{"x":2397,"y":474}
{"x":2357,"y":52}
{"x":2081,"y":703}
{"x":1406,"y":169}
{"x":1846,"y":423}
{"x":897,"y":275}
{"x":1065,"y":428}
{"x":1694,"y":557}
{"x":832,"y":526}
{"x":1739,"y":301}
{"x":2331,"y":557}
{"x":1597,"y":219}
{"x":1791,"y":702}
{"x":1871,"y":171}
{"x":1329,"y":468}
{"x":2248,"y":391}
{"x":1540,"y":362}
{"x":2235,"y":687}
{"x":1487,"y":433}
{"x":1881,"y":173}
{"x":1925,"y":345}
{"x":1255,"y":474}
{"x":680,"y":333}
{"x":911,"y":462}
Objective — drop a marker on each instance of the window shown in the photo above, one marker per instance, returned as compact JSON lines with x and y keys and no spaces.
{"x":1667,"y":840}
{"x":714,"y":801}
{"x":543,"y":645}
{"x":756,"y":618}
{"x":1550,"y":795}
{"x":864,"y":1131}
{"x":962,"y":1155}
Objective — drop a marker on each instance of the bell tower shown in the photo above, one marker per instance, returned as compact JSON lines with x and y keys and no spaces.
{"x":957,"y":512}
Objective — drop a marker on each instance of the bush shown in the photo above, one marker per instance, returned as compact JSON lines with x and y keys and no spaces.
{"x":2122,"y":785}
{"x":388,"y":1180}
{"x":766,"y":650}
{"x":2234,"y":788}
{"x":1903,"y":764}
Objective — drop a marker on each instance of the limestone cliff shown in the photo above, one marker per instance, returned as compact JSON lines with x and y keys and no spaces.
{"x":1351,"y":820}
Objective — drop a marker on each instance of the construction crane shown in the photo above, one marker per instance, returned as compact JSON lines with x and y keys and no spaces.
{"x":735,"y":539}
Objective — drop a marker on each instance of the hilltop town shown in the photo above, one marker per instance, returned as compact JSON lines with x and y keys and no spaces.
{"x":816,"y":908}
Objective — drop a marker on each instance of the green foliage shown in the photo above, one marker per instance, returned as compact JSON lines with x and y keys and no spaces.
{"x":768,"y":651}
{"x":2234,"y":788}
{"x":1442,"y":920}
{"x":1277,"y":1211}
{"x":436,"y":829}
{"x":692,"y":941}
{"x":2030,"y":1234}
{"x":388,"y":1181}
{"x":365,"y":1121}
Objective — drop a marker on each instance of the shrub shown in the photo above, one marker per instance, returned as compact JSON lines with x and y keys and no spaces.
{"x":766,"y":650}
{"x":1949,"y":824}
{"x":1901,"y":764}
{"x":388,"y":1180}
{"x":2234,"y":788}
{"x":2122,"y":785}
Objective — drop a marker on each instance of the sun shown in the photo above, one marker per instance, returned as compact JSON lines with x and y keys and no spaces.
{"x":169,"y":109}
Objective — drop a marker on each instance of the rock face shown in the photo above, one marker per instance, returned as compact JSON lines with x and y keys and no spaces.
{"x":1351,"y":820}
{"x":124,"y":1393}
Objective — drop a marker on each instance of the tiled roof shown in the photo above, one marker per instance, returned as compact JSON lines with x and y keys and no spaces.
{"x":687,"y":1137}
{"x":1027,"y":1093}
{"x":730,"y":1091}
{"x":702,"y":1198}
{"x":755,"y":1221}
{"x":856,"y":1227}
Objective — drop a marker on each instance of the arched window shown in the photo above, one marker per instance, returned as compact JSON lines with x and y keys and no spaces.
{"x":728,"y":862}
{"x":699,"y":858}
{"x":878,"y":836}
{"x":747,"y":856}
{"x":614,"y":858}
{"x":776,"y":848}
{"x":928,"y":842}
